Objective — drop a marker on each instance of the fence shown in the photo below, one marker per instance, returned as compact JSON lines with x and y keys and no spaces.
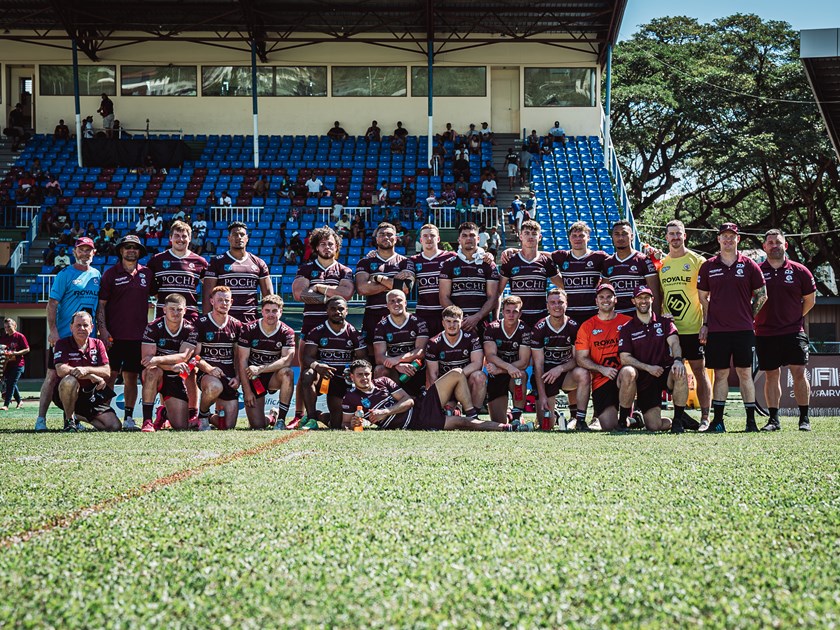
{"x":19,"y":255}
{"x":246,"y":214}
{"x":25,"y":215}
{"x":325,"y":214}
{"x":127,"y":214}
{"x":611,"y":162}
{"x":450,"y":217}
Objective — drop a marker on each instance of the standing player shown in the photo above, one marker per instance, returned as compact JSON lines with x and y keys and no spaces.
{"x":555,"y":368}
{"x":166,"y":348}
{"x":581,"y":270}
{"x":215,"y":337}
{"x":732,"y":292}
{"x":427,"y":265}
{"x":378,"y":274}
{"x":597,"y":351}
{"x":240,"y":271}
{"x":780,"y":337}
{"x":328,"y":349}
{"x":264,"y":354}
{"x":627,"y":269}
{"x":454,"y":348}
{"x":399,"y":340}
{"x":75,"y":288}
{"x":649,"y":349}
{"x":529,"y":272}
{"x":680,"y":300}
{"x":122,"y":317}
{"x":469,"y":282}
{"x":507,"y":355}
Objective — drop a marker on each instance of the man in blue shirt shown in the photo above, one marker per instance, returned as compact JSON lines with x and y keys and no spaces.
{"x":75,"y":288}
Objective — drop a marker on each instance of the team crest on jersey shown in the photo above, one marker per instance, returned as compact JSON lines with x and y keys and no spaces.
{"x":589,"y":264}
{"x":374,"y":266}
{"x":227,"y":267}
{"x":349,"y":343}
{"x":658,"y":329}
{"x":279,"y":344}
{"x":418,"y":266}
{"x":208,"y":336}
{"x":142,"y":281}
{"x":739,"y":273}
{"x":366,"y":403}
{"x":191,"y":266}
{"x":456,"y":271}
{"x":465,"y":352}
{"x":389,"y":336}
{"x":314,"y":274}
{"x":442,"y":356}
{"x":167,"y":264}
{"x":255,"y":343}
{"x":566,"y":265}
{"x":515,"y":270}
{"x":610,"y":270}
{"x":633,"y":268}
{"x":161,"y":342}
{"x":597,"y":331}
{"x":686,"y":267}
{"x":413,"y":333}
{"x":322,"y":342}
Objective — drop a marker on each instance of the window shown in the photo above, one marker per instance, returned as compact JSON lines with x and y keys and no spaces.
{"x":300,"y":81}
{"x":93,"y":80}
{"x":449,"y":81}
{"x":158,"y":81}
{"x":368,"y":81}
{"x":271,"y":81}
{"x":559,"y":87}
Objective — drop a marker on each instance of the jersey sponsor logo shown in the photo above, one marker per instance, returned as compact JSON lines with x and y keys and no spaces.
{"x":678,"y":303}
{"x":665,"y":269}
{"x":178,"y":279}
{"x":241,"y":283}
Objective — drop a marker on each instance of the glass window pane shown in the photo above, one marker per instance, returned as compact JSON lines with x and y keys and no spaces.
{"x":368,"y":81}
{"x":158,"y":81}
{"x":93,"y":80}
{"x":450,"y":81}
{"x":559,"y":87}
{"x":226,"y":81}
{"x":300,"y":81}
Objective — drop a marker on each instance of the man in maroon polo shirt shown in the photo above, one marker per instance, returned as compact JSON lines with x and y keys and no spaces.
{"x":122,"y":317}
{"x":649,"y":349}
{"x":780,"y":337}
{"x":732,"y":292}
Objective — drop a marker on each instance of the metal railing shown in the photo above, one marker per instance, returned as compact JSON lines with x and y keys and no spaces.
{"x":19,"y":255}
{"x":611,"y":163}
{"x":325,"y":214}
{"x":34,"y":224}
{"x":450,"y":217}
{"x":25,"y":215}
{"x":246,"y":214}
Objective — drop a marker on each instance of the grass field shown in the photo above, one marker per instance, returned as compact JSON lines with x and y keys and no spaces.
{"x":391,"y":529}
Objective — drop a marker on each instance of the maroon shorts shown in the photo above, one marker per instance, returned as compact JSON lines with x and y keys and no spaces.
{"x":428,"y":414}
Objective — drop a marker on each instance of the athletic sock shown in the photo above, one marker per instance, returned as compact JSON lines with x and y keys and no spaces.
{"x":573,"y":409}
{"x":717,"y":408}
{"x":750,"y":408}
{"x":679,"y":412}
{"x":127,"y":415}
{"x":148,"y":410}
{"x":580,"y":415}
{"x":204,"y":414}
{"x":471,"y":413}
{"x":507,"y":426}
{"x":623,"y":414}
{"x":803,"y":412}
{"x":774,"y":414}
{"x":282,"y":412}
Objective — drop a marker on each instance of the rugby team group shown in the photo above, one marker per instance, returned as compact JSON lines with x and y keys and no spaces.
{"x":617,"y":329}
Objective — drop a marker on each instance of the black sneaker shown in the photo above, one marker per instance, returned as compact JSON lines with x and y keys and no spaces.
{"x":716,"y":427}
{"x":677,"y":424}
{"x":751,"y":427}
{"x":581,"y":425}
{"x":690,"y":423}
{"x":70,"y":425}
{"x":637,"y":420}
{"x":805,"y":424}
{"x":772,"y":425}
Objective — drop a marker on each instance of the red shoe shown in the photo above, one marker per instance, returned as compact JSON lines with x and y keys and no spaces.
{"x":193,"y":423}
{"x":295,"y":422}
{"x":148,"y":426}
{"x":160,"y":418}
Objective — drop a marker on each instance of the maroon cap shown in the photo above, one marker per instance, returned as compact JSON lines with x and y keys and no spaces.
{"x":728,"y":227}
{"x":643,"y":288}
{"x":605,"y":285}
{"x":80,"y":242}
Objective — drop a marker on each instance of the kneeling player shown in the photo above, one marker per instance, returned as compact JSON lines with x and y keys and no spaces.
{"x":649,"y":349}
{"x":388,"y":406}
{"x":507,"y":354}
{"x":398,"y":341}
{"x":456,"y":348}
{"x":164,"y":354}
{"x":264,"y":354}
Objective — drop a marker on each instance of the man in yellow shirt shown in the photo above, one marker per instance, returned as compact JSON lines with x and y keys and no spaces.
{"x":680,"y":300}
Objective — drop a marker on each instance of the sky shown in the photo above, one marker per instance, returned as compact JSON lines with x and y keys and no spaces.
{"x":800,"y":15}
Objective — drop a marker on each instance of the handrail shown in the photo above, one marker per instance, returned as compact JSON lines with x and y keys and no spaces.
{"x":18,"y":255}
{"x":450,"y":217}
{"x":34,"y":224}
{"x":226,"y":214}
{"x":25,"y":214}
{"x":611,"y":163}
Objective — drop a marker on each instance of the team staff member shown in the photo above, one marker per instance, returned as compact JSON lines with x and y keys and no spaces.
{"x":81,"y":363}
{"x":732,"y":292}
{"x":456,"y":348}
{"x":399,"y":340}
{"x":507,"y":355}
{"x":649,"y":350}
{"x":17,"y":347}
{"x":75,"y":288}
{"x":167,"y":346}
{"x":122,"y":318}
{"x":627,"y":269}
{"x":596,"y":349}
{"x":680,"y":300}
{"x":780,"y":337}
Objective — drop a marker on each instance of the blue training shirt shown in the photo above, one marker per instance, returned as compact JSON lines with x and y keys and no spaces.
{"x":74,"y":290}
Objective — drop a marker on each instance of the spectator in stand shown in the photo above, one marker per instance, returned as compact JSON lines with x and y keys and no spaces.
{"x":90,"y":230}
{"x":461,"y":165}
{"x":382,"y":193}
{"x":342,"y":226}
{"x":103,"y":246}
{"x":199,"y":234}
{"x":27,"y":190}
{"x":15,"y":347}
{"x":397,"y":144}
{"x":488,"y":190}
{"x":337,"y":132}
{"x":474,"y":141}
{"x":110,"y":233}
{"x":486,"y":134}
{"x":49,"y":252}
{"x":76,"y":231}
{"x":106,"y":110}
{"x":144,"y":224}
{"x":314,"y":186}
{"x":524,"y":165}
{"x":61,"y":223}
{"x":296,"y":244}
{"x":180,"y":215}
{"x":260,"y":187}
{"x":357,"y":228}
{"x":290,"y":256}
{"x":373,"y":133}
{"x":52,"y":187}
{"x":62,"y":260}
{"x":449,"y":134}
{"x":16,"y":130}
{"x":400,"y":131}
{"x":494,"y":241}
{"x":533,"y":142}
{"x":87,"y":128}
{"x":149,"y":167}
{"x":432,"y":200}
{"x":408,"y":197}
{"x":118,"y":132}
{"x":225,"y":200}
{"x":545,"y":149}
{"x":448,"y":196}
{"x":556,"y":134}
{"x":285,"y":188}
{"x":438,"y":155}
{"x":512,"y":164}
{"x":462,"y":188}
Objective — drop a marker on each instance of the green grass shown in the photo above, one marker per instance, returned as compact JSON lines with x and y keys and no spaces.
{"x":388,"y":529}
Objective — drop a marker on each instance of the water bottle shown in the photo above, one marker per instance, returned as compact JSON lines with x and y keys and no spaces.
{"x":360,"y":414}
{"x":518,"y":393}
{"x":190,"y":367}
{"x":416,"y":364}
{"x":562,"y":425}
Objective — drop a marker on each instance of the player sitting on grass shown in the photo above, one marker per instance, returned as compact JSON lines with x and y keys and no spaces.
{"x":81,"y":364}
{"x":507,"y":354}
{"x":264,"y":354}
{"x":388,"y":406}
{"x":399,"y":340}
{"x":164,"y":354}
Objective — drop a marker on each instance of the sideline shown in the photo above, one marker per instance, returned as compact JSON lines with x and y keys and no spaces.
{"x":62,"y":521}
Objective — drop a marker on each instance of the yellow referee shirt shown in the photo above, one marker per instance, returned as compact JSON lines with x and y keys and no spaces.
{"x":678,"y":278}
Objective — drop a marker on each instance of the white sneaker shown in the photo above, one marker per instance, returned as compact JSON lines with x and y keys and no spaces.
{"x":41,"y":424}
{"x":204,"y":423}
{"x":129,"y":424}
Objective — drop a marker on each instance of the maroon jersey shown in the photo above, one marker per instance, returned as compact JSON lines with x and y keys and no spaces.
{"x":380,"y":398}
{"x":452,"y":355}
{"x":265,"y":348}
{"x":469,"y":282}
{"x":13,"y":343}
{"x":648,"y":343}
{"x":557,"y":344}
{"x":127,"y":297}
{"x":242,"y":277}
{"x":375,"y":305}
{"x":529,"y":279}
{"x":400,"y":339}
{"x":786,"y":286}
{"x":217,"y":342}
{"x":336,"y":349}
{"x":180,"y":275}
{"x":166,"y":342}
{"x":507,"y":347}
{"x":92,"y":355}
{"x":427,"y":271}
{"x":580,"y":277}
{"x":625,"y":275}
{"x":730,"y":288}
{"x":315,"y":314}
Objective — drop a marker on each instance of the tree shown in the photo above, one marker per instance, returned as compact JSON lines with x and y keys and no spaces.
{"x":716,"y":122}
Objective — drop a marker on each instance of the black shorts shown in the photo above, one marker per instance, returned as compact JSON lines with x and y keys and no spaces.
{"x":692,"y":349}
{"x":433,"y":321}
{"x":51,"y":358}
{"x":124,"y":356}
{"x":172,"y":386}
{"x":778,"y":350}
{"x":89,"y":404}
{"x":738,"y":346}
{"x":649,"y":390}
{"x":265,"y":379}
{"x":498,"y":386}
{"x":338,"y":386}
{"x":228,"y":393}
{"x":604,"y":397}
{"x":428,"y":414}
{"x":414,"y":385}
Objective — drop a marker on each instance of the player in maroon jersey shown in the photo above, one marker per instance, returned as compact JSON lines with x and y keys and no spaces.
{"x":399,"y":341}
{"x":507,"y":355}
{"x":215,"y":337}
{"x":581,"y":270}
{"x":165,"y":352}
{"x":264,"y":353}
{"x":427,"y":266}
{"x":243,"y":273}
{"x":628,"y":268}
{"x":651,"y":359}
{"x":457,"y":348}
{"x":81,"y":363}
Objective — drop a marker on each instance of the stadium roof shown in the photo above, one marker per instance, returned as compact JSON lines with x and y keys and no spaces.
{"x":277,"y":25}
{"x":820,"y":53}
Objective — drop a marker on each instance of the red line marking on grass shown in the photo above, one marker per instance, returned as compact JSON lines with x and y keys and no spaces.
{"x":65,"y":520}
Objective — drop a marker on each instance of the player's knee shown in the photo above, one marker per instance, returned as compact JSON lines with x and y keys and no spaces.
{"x":211,"y":386}
{"x":68,"y":384}
{"x":307,"y":378}
{"x":110,"y":422}
{"x":152,"y":374}
{"x":286,"y":376}
{"x":478,"y":378}
{"x":627,"y":375}
{"x":581,"y":375}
